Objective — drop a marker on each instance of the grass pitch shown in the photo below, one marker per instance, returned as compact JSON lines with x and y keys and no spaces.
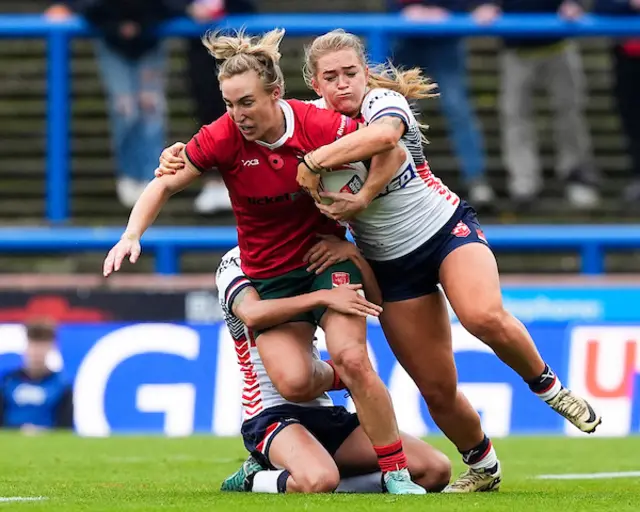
{"x":153,"y":473}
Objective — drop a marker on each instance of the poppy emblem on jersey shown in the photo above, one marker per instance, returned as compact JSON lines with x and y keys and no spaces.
{"x":340,"y":278}
{"x":481,"y":236}
{"x":461,"y":230}
{"x":276,"y":161}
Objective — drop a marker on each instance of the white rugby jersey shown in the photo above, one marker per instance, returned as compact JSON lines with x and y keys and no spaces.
{"x":415,"y":204}
{"x":258,"y":392}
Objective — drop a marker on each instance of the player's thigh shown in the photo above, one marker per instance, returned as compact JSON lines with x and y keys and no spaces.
{"x":356,"y":457}
{"x":311,"y":467}
{"x":468,"y":272}
{"x":419,"y":333}
{"x":286,"y":352}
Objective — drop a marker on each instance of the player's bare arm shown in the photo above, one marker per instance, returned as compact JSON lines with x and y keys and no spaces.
{"x":258,"y":314}
{"x":156,"y":194}
{"x":378,"y":137}
{"x":347,"y":206}
{"x":171,"y":160}
{"x":144,"y":213}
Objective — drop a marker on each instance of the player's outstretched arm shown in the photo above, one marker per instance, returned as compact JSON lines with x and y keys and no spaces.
{"x":259,"y":314}
{"x":144,"y":213}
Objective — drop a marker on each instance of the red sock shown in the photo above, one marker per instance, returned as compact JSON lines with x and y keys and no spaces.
{"x":337,"y":381}
{"x":391,"y":457}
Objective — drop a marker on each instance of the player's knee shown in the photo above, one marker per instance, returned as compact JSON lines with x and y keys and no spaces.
{"x":151,"y":103}
{"x":125,"y":107}
{"x":487,"y":324}
{"x":295,"y":387}
{"x":436,"y":474}
{"x":320,"y":480}
{"x":353,"y":363}
{"x":440,"y":395}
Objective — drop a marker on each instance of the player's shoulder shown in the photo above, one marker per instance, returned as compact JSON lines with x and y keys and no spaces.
{"x":381,"y":101}
{"x":11,"y":375}
{"x":381,"y":96}
{"x":318,"y":103}
{"x":222,"y":128}
{"x":305,"y":109}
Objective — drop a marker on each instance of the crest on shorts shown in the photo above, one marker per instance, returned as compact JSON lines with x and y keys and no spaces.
{"x":340,"y":278}
{"x":461,"y":230}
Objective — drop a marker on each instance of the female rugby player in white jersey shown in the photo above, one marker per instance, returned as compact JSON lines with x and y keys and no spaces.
{"x":416,"y":233}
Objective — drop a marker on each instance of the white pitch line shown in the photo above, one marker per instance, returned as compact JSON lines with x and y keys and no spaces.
{"x":590,"y":476}
{"x":22,"y":498}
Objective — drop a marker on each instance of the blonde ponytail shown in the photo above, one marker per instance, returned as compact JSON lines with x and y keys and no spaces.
{"x":241,"y":53}
{"x":411,"y":83}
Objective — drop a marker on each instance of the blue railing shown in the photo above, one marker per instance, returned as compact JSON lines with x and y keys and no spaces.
{"x":376,"y":28}
{"x":167,"y":243}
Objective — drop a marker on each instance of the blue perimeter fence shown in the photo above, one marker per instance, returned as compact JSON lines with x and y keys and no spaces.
{"x":379,"y":30}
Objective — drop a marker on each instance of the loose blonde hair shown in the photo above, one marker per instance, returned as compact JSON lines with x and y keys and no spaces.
{"x":411,"y":83}
{"x":240,"y":53}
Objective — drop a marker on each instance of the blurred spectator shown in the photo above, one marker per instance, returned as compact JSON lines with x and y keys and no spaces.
{"x":444,"y":60}
{"x":58,"y":12}
{"x":132,"y":61}
{"x":557,"y":63}
{"x":626,"y":58}
{"x":203,"y":79}
{"x":34,"y":398}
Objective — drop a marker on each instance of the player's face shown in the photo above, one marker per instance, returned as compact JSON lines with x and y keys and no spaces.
{"x":254,"y":110}
{"x":342,"y":81}
{"x":35,"y":355}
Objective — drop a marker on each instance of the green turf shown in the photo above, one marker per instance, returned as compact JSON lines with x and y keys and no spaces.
{"x":146,"y":473}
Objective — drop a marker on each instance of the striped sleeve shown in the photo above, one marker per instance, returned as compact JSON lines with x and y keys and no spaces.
{"x":230,"y":279}
{"x":380,"y":103}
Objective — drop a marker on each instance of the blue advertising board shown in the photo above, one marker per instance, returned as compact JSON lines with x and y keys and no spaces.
{"x":177,"y":379}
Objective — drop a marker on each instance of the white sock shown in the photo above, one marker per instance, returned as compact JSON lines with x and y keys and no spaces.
{"x":371,"y":482}
{"x":551,"y":392}
{"x":488,"y":461}
{"x":266,"y":481}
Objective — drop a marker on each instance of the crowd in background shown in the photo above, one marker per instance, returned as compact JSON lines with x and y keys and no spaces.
{"x":133,"y":61}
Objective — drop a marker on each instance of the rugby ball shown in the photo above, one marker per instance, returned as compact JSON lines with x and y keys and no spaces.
{"x":348,"y":179}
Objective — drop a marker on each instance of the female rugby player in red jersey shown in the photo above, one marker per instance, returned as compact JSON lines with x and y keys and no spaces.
{"x":255,"y":147}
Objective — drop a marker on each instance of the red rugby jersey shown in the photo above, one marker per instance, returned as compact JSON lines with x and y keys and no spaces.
{"x":277,"y":221}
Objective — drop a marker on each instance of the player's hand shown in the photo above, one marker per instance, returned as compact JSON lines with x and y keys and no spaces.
{"x":328,"y":251}
{"x":309,"y":180}
{"x":570,"y":10}
{"x":486,"y":14}
{"x":425,"y":13}
{"x":635,"y":4}
{"x":171,"y":160}
{"x":129,"y":245}
{"x":346,"y":299}
{"x":344,"y":206}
